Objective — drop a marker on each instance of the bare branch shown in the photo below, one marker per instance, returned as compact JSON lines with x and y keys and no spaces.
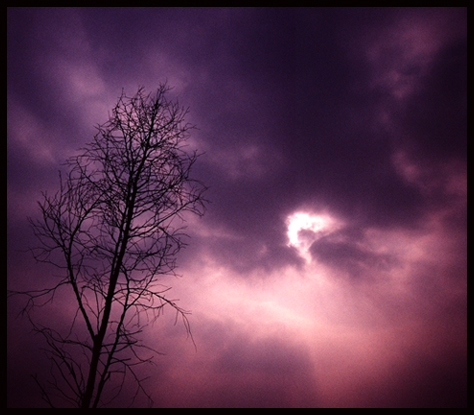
{"x":113,"y":229}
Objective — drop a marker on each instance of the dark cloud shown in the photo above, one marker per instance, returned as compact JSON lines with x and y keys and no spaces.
{"x":347,"y":250}
{"x":436,"y":117}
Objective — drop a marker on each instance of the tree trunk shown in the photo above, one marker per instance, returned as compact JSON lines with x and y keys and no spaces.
{"x":99,"y":338}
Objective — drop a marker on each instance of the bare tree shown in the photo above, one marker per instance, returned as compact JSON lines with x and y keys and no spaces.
{"x":113,"y":228}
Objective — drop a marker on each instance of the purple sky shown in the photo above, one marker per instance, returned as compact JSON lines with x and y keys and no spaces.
{"x":330,"y":267}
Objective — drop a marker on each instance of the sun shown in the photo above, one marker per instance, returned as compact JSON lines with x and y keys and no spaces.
{"x":305,"y":228}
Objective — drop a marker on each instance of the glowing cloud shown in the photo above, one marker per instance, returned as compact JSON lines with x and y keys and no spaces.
{"x":305,"y":228}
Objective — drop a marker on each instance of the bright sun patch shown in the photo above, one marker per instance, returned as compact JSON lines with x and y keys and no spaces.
{"x":305,"y":228}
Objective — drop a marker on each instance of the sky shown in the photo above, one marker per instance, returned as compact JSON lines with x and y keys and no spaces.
{"x":330,"y":267}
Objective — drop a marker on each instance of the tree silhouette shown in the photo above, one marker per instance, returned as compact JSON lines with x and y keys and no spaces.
{"x":113,"y":228}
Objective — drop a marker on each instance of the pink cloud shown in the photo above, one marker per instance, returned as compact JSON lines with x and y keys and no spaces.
{"x":312,"y":337}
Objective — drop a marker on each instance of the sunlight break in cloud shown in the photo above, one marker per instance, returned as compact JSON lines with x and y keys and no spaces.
{"x":305,"y":228}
